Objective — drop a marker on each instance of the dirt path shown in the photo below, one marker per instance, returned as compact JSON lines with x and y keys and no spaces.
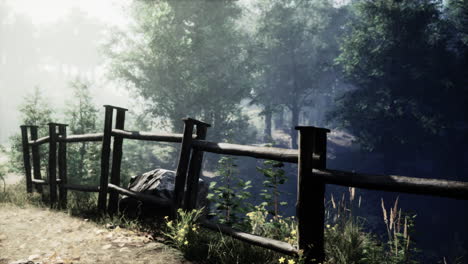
{"x":46,"y":236}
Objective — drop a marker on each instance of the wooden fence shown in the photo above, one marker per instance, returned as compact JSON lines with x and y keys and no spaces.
{"x":312,"y":175}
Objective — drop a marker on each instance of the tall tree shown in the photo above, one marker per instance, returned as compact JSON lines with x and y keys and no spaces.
{"x":187,"y":59}
{"x":81,"y":116}
{"x":295,"y":55}
{"x":35,"y":111}
{"x":397,"y":56}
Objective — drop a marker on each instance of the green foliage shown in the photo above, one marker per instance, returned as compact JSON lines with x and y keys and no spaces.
{"x":185,"y":58}
{"x":210,"y":247}
{"x":182,"y":231}
{"x":230,"y":195}
{"x":457,"y":11}
{"x":277,"y":227}
{"x":274,"y":177}
{"x":36,"y":111}
{"x":83,"y":159}
{"x":294,"y":55}
{"x":397,"y":56}
{"x":81,"y":112}
{"x":347,"y":243}
{"x":346,"y":240}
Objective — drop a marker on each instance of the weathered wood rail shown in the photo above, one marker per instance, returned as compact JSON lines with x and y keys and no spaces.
{"x":176,"y":138}
{"x":310,"y":157}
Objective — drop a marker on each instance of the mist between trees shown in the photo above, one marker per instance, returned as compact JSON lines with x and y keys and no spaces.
{"x":262,"y":67}
{"x":391,"y":73}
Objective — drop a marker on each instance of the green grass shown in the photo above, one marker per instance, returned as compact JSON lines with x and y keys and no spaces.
{"x":16,"y":195}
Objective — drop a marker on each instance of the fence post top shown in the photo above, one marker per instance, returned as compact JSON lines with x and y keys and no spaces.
{"x":310,"y":128}
{"x":116,"y":107}
{"x":196,"y":122}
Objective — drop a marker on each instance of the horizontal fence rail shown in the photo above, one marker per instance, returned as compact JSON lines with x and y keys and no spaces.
{"x":393,"y":183}
{"x":81,"y":138}
{"x":39,"y":182}
{"x":264,"y":242}
{"x":278,"y":154}
{"x":81,"y":188}
{"x":140,"y":196}
{"x":176,"y":138}
{"x":39,"y":141}
{"x":69,"y":139}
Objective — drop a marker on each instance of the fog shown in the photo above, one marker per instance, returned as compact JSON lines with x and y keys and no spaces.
{"x":393,"y":92}
{"x":47,"y":44}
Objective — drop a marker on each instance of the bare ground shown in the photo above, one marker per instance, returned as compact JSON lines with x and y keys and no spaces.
{"x":46,"y":236}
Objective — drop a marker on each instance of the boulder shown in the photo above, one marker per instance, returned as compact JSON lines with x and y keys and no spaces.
{"x":159,"y":183}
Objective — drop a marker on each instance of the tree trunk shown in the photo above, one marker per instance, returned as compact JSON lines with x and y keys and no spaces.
{"x":81,"y":164}
{"x":279,"y":119}
{"x":295,"y":111}
{"x":267,"y":136}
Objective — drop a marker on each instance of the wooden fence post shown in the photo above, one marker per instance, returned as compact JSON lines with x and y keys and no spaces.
{"x":62,"y":166}
{"x":105,"y":153}
{"x":52,"y":163}
{"x":310,"y":208}
{"x":195,"y":166}
{"x":26,"y":158}
{"x":36,"y":161}
{"x":116,"y":161}
{"x":181,"y":173}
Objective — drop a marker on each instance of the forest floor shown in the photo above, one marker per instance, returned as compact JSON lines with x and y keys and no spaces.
{"x":45,"y":236}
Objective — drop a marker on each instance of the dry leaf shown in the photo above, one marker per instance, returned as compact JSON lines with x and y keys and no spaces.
{"x":33,"y":257}
{"x":124,"y":249}
{"x":107,"y":246}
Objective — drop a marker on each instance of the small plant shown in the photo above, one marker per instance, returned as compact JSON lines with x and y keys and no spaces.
{"x":398,"y":226}
{"x":347,"y":242}
{"x":278,"y":227}
{"x":184,"y":228}
{"x":274,"y":177}
{"x":230,"y":195}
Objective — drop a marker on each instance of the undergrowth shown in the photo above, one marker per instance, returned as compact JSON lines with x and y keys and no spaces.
{"x":15,"y":194}
{"x":346,"y":238}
